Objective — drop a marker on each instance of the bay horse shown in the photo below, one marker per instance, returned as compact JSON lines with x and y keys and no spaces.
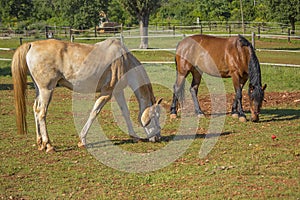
{"x":82,"y":68}
{"x":220,"y":57}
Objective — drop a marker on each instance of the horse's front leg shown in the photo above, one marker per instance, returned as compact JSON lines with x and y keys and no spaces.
{"x":234,"y":112}
{"x":120,"y":98}
{"x":237,"y":107}
{"x":100,"y":102}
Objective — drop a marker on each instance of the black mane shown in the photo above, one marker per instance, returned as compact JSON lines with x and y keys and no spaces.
{"x":255,"y":88}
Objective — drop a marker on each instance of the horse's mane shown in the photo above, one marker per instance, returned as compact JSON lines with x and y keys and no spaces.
{"x":253,"y":71}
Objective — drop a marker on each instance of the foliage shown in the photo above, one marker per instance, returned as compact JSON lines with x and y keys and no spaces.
{"x":117,"y":13}
{"x":287,"y":11}
{"x":84,"y":13}
{"x":142,"y":10}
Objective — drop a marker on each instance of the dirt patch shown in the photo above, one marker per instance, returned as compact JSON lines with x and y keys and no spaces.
{"x":272,"y":99}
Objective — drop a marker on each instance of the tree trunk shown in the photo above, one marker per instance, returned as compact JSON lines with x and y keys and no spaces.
{"x":292,"y":21}
{"x":144,"y":21}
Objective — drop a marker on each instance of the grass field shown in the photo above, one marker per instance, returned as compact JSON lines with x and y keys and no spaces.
{"x":245,"y":163}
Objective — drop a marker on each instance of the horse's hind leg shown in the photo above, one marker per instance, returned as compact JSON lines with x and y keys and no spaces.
{"x":37,"y":124}
{"x":40,"y":111}
{"x":178,"y":90}
{"x":194,"y":91}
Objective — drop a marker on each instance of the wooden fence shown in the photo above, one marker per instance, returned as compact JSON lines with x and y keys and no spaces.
{"x":157,"y":32}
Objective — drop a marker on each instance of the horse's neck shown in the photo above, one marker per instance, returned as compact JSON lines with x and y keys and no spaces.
{"x":144,"y":96}
{"x":139,"y":82}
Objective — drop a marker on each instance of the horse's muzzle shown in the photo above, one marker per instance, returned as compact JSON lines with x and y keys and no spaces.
{"x":155,"y":138}
{"x":255,"y":119}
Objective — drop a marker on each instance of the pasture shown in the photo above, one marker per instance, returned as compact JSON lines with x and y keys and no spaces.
{"x":245,"y":163}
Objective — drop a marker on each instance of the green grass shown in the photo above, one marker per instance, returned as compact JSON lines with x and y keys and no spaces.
{"x":245,"y":163}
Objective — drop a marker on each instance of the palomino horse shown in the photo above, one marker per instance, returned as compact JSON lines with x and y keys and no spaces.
{"x":82,"y":68}
{"x":220,"y":57}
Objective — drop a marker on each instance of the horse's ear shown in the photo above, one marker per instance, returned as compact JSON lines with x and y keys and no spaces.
{"x":159,"y":101}
{"x":264,"y":87}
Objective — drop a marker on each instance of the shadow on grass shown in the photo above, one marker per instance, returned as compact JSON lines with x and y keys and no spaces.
{"x":66,"y":148}
{"x":286,"y":49}
{"x":6,"y":86}
{"x":281,"y":115}
{"x":5,"y":71}
{"x":170,"y":138}
{"x":11,"y":86}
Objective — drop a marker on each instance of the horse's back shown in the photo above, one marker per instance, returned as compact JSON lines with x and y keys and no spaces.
{"x":71,"y":64}
{"x":209,"y":43}
{"x":216,"y":56}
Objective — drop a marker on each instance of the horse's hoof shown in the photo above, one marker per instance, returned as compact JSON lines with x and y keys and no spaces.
{"x":50,"y":150}
{"x":154,"y":139}
{"x":235,"y":115}
{"x":80,"y":145}
{"x":40,"y":148}
{"x":242,"y":119}
{"x":173,"y":116}
{"x":201,"y":115}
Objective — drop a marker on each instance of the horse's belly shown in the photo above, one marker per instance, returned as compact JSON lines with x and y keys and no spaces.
{"x":209,"y":66}
{"x":87,"y":85}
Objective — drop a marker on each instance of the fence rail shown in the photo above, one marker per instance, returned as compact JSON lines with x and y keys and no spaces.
{"x":125,"y":37}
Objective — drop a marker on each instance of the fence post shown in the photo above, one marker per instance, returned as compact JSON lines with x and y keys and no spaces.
{"x":21,"y":42}
{"x":253,"y":40}
{"x":46,"y":31}
{"x":122,"y":38}
{"x":201,"y":28}
{"x":173,"y":30}
{"x":71,"y":34}
{"x":258,"y":32}
{"x":289,"y":35}
{"x":229,"y":30}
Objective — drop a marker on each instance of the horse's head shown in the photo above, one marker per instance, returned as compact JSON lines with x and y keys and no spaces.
{"x":256,"y":96}
{"x":150,"y":122}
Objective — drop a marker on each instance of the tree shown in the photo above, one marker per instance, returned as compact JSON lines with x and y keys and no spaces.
{"x":174,"y":11}
{"x":43,"y":10}
{"x":14,"y":10}
{"x":142,"y":10}
{"x":286,"y":11}
{"x":88,"y":15}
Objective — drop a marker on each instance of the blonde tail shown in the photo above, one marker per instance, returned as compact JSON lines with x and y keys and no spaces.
{"x":19,"y":70}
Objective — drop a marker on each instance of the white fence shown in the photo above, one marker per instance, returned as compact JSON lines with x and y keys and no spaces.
{"x":178,"y":37}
